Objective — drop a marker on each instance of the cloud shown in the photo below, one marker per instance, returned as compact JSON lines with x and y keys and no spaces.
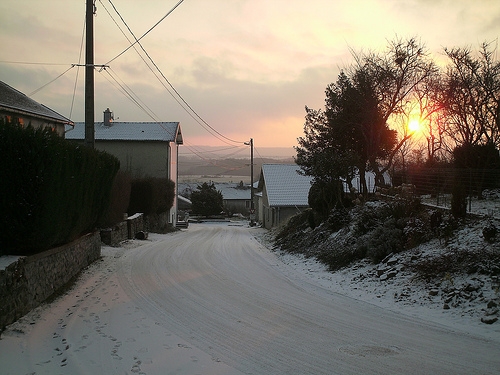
{"x":247,"y":67}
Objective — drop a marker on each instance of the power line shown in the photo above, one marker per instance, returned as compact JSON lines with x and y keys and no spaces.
{"x":147,"y":32}
{"x":78,"y":69}
{"x":218,"y":150}
{"x":211,"y":161}
{"x":129,"y":93}
{"x":142,"y":58}
{"x":48,"y":83}
{"x":204,"y":123}
{"x":31,"y":63}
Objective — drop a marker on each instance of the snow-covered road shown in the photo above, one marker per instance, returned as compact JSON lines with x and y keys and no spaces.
{"x":213,"y":300}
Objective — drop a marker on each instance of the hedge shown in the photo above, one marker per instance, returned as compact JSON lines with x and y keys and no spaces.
{"x":52,"y":190}
{"x":151,"y":195}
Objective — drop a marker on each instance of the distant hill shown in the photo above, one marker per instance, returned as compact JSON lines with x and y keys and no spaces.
{"x":225,"y":167}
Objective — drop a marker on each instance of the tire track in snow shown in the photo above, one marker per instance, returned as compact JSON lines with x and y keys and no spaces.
{"x":217,"y":288}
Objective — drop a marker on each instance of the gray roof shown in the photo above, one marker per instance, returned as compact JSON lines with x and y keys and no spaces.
{"x":130,"y":131}
{"x":284,"y":185}
{"x":15,"y":101}
{"x":232,"y":192}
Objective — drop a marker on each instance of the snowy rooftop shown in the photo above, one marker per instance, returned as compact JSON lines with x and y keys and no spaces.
{"x":130,"y":131}
{"x":284,"y":185}
{"x":14,"y":100}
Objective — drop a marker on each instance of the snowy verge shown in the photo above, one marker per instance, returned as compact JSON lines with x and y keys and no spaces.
{"x":459,"y":301}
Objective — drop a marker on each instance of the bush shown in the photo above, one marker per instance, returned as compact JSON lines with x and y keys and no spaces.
{"x":369,"y":216}
{"x":119,"y":200}
{"x":206,"y":200}
{"x":323,"y":197}
{"x":294,"y":227}
{"x":372,"y":230}
{"x":52,"y":190}
{"x":151,"y":195}
{"x":382,"y":241}
{"x":338,"y":219}
{"x":457,"y":261}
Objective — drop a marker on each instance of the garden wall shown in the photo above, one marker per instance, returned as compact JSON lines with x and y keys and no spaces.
{"x":27,"y":282}
{"x":124,"y":230}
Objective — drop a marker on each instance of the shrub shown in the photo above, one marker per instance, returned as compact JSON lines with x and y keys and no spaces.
{"x":52,"y":190}
{"x":206,"y":200}
{"x":369,"y":216}
{"x":323,"y":196}
{"x":338,"y":219}
{"x":416,"y":232}
{"x":382,"y":241}
{"x":294,"y":226}
{"x":151,"y":195}
{"x":457,"y":261}
{"x":119,"y":200}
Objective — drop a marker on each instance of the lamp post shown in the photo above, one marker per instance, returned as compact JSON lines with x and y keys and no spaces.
{"x":252,"y":208}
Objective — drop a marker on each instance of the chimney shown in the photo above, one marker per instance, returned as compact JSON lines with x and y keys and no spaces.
{"x":108,"y":117}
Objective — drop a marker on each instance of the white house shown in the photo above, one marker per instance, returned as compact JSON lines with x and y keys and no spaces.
{"x":143,"y":148}
{"x":282,"y":193}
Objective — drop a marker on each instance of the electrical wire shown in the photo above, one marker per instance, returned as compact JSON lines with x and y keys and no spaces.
{"x":48,"y":83}
{"x":146,"y":33}
{"x":216,"y":151}
{"x":133,"y":97}
{"x":142,"y":105}
{"x":213,"y":162}
{"x":31,"y":63}
{"x":193,"y":112}
{"x":78,"y":69}
{"x":128,"y":93}
{"x":142,"y":58}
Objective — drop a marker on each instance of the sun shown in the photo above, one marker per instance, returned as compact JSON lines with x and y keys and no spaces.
{"x":414,"y":125}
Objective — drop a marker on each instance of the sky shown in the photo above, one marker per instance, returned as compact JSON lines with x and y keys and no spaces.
{"x":246,"y":68}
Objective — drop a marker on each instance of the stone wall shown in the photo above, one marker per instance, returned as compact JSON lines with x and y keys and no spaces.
{"x":27,"y":282}
{"x":113,"y":236}
{"x":135,"y":224}
{"x":125,"y":230}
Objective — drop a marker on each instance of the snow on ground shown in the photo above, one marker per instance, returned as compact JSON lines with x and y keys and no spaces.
{"x":401,"y":294}
{"x":460,"y":301}
{"x":95,"y":328}
{"x":466,"y":297}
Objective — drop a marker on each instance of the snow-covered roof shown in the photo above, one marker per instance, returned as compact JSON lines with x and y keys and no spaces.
{"x":12,"y":100}
{"x":184,"y":199}
{"x":233,"y":192}
{"x":130,"y":131}
{"x":284,"y":185}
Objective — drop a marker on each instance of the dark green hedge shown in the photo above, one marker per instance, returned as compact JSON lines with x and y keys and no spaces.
{"x":52,"y":190}
{"x":151,"y":195}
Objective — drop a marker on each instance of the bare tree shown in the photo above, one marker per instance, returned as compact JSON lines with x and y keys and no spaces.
{"x":472,"y":96}
{"x":397,"y":74}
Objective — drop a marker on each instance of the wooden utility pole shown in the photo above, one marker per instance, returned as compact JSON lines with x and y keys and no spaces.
{"x":89,"y":74}
{"x":252,"y":207}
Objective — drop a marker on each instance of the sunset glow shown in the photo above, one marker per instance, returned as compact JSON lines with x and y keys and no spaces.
{"x":414,"y":125}
{"x":248,"y":68}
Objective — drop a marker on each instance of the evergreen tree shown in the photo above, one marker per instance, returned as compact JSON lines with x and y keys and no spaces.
{"x":207,"y":200}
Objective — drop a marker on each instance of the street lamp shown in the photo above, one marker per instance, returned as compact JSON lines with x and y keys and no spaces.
{"x":252,"y":209}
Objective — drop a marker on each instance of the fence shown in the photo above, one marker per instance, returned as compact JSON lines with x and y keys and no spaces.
{"x":435,"y":186}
